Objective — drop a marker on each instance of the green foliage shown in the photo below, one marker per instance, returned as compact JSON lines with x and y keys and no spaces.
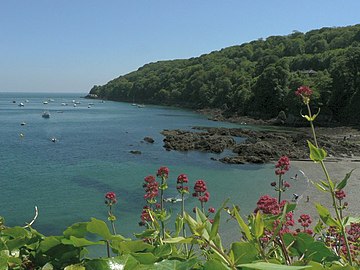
{"x":255,"y":78}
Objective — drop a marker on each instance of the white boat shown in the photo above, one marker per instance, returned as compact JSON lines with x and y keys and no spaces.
{"x":45,"y":102}
{"x":21,"y":104}
{"x":23,"y":124}
{"x":141,"y":106}
{"x":63,"y":104}
{"x":134,"y":104}
{"x":46,"y":114}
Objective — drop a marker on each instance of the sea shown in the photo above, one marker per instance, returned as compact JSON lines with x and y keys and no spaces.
{"x":67,"y":179}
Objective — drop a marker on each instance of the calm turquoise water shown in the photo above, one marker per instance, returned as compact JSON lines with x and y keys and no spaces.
{"x":67,"y":180}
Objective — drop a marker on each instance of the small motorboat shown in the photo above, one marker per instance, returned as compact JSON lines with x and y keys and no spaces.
{"x":46,"y":114}
{"x":21,"y":104}
{"x":45,"y":102}
{"x":54,"y":140}
{"x":23,"y":124}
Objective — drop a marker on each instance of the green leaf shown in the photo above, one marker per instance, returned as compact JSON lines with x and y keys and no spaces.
{"x":172,"y":265}
{"x":272,"y":266}
{"x":80,"y":242}
{"x":316,"y":154}
{"x":325,"y":215}
{"x":215,"y":265}
{"x":78,"y":230}
{"x":16,"y":232}
{"x":191,"y":222}
{"x":125,"y":262}
{"x":215,"y":226}
{"x":74,"y":267}
{"x":343,"y":183}
{"x":99,"y":227}
{"x":145,"y":258}
{"x":244,"y":252}
{"x":178,"y":240}
{"x":49,"y":242}
{"x":145,"y":234}
{"x":48,"y":266}
{"x":320,"y":187}
{"x":131,"y":246}
{"x":243,"y":226}
{"x":162,"y":250}
{"x":259,"y":225}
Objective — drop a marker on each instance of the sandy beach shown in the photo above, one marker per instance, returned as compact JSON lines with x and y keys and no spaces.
{"x":337,"y":170}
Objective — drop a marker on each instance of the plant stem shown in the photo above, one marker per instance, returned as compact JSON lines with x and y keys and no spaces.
{"x":162,"y":208}
{"x":280,"y":187}
{"x":183,"y":225}
{"x":332,"y":192}
{"x":222,"y":254}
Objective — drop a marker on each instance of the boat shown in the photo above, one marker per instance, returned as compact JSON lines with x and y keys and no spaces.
{"x":45,"y":102}
{"x":46,"y":114}
{"x":23,"y":124}
{"x":134,"y":104}
{"x":141,"y":106}
{"x":64,"y":104}
{"x":21,"y":104}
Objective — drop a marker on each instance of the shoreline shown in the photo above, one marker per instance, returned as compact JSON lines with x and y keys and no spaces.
{"x":337,"y":171}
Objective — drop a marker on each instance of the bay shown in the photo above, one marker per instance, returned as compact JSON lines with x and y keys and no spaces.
{"x":67,"y":180}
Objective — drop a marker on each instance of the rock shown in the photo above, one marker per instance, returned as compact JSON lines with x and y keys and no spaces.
{"x":149,"y":140}
{"x":135,"y":152}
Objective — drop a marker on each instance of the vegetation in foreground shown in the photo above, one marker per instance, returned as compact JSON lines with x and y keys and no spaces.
{"x":270,"y":237}
{"x":255,"y":79}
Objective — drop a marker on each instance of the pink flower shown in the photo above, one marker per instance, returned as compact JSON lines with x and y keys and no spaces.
{"x":163,"y":172}
{"x":110,"y":198}
{"x":283,"y":165}
{"x":211,"y":210}
{"x":304,"y":91}
{"x":182,"y":178}
{"x":268,"y":205}
{"x":286,"y":184}
{"x":305,"y":221}
{"x":340,"y":194}
{"x":149,"y":179}
{"x":201,"y":191}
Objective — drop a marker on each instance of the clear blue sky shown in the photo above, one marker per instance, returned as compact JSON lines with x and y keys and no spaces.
{"x":70,"y":45}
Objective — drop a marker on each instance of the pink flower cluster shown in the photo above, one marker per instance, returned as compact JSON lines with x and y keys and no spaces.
{"x":182,"y":178}
{"x":110,"y":198}
{"x":163,"y":172}
{"x":145,"y":216}
{"x":282,"y":166}
{"x":305,"y":221}
{"x":340,"y":194}
{"x":304,"y":91}
{"x":201,"y":191}
{"x":151,"y":188}
{"x":269,"y":205}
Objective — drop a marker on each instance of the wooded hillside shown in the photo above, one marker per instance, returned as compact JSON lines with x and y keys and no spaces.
{"x":257,"y":78}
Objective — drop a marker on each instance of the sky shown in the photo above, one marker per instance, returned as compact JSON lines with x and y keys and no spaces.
{"x":71,"y":45}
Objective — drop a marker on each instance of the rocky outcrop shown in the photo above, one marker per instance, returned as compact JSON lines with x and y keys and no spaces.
{"x":149,"y":140}
{"x":259,"y":146}
{"x":202,"y":141}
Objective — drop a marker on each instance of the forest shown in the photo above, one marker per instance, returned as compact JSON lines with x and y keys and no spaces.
{"x":256,"y":79}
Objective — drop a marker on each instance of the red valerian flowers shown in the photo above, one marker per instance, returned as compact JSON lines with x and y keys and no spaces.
{"x":110,"y":198}
{"x":282,"y":166}
{"x":182,"y":178}
{"x":151,"y":188}
{"x":163,"y":172}
{"x":269,"y":205}
{"x":305,"y":93}
{"x":340,"y":194}
{"x":201,"y":191}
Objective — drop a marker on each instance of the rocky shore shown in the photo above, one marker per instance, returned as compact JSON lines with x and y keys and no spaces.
{"x":263,"y":145}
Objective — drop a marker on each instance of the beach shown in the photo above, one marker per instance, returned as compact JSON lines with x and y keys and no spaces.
{"x":337,"y":170}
